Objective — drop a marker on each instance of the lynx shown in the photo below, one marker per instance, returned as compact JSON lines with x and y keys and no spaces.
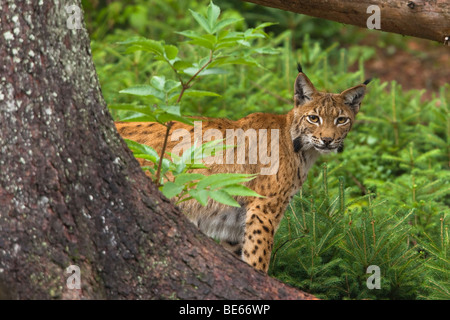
{"x":317,"y":124}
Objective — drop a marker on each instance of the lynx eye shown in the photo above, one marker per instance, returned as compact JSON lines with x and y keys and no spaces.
{"x":341,"y":120}
{"x":314,"y":119}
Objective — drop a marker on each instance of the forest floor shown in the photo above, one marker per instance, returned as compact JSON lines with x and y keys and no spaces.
{"x":420,"y":64}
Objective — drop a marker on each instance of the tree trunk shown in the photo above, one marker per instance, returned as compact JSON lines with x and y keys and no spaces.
{"x":71,"y":192}
{"x":418,"y":18}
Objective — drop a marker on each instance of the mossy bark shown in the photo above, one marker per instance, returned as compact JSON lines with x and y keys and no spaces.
{"x":71,"y":192}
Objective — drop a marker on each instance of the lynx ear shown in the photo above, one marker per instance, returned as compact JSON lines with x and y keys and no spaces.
{"x":303,"y":88}
{"x":353,"y":96}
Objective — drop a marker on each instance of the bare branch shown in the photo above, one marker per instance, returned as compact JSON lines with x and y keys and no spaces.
{"x":418,"y":18}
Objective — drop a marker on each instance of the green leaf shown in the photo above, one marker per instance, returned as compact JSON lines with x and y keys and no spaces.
{"x":200,"y":195}
{"x":252,"y":34}
{"x":201,"y":93}
{"x":201,"y":21}
{"x":184,"y":178}
{"x":231,"y":180}
{"x":139,"y":117}
{"x":244,"y":43}
{"x":205,"y":72}
{"x":196,"y":166}
{"x":147,"y":157}
{"x":207,"y":41}
{"x":190,"y":34}
{"x":180,"y":65}
{"x":141,"y":148}
{"x":144,"y":44}
{"x":175,"y":110}
{"x":265,"y":25}
{"x":223,"y":197}
{"x":226,"y":44}
{"x":170,"y":85}
{"x":142,"y":110}
{"x":144,"y":91}
{"x":166,"y":117}
{"x":171,"y":190}
{"x":233,"y":60}
{"x":240,"y":190}
{"x":225,"y":22}
{"x":212,"y":14}
{"x":170,"y":51}
{"x":267,"y":50}
{"x":158,"y":82}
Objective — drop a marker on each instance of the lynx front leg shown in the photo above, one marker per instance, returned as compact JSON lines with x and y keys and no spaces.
{"x":258,"y":240}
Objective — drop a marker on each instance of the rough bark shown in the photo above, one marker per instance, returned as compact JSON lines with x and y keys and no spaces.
{"x":418,"y":18}
{"x":71,"y":192}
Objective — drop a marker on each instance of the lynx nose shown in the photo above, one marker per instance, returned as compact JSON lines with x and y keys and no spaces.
{"x":327,"y":140}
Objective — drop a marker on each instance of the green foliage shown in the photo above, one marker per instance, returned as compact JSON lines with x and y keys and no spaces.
{"x":180,"y":182}
{"x":326,"y":245}
{"x":438,"y":264}
{"x":394,"y":209}
{"x":163,"y":97}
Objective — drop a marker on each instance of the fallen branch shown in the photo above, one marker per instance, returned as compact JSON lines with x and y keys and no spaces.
{"x":418,"y":18}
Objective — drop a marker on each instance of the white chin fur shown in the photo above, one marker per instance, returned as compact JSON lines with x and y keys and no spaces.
{"x":326,"y":151}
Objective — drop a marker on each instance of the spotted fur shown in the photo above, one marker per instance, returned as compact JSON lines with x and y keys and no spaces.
{"x":317,"y":124}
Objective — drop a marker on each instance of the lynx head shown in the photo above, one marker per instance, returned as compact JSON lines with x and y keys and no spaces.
{"x":322,"y":120}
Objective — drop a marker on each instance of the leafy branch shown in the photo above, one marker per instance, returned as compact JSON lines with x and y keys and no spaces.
{"x":166,"y":96}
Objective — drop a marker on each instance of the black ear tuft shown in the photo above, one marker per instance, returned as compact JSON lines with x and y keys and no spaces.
{"x":299,"y":67}
{"x":303,"y":90}
{"x":367,"y":81}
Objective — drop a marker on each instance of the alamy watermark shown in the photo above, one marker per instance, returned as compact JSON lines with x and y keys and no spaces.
{"x":374,"y":281}
{"x":74,"y":280}
{"x":374,"y":21}
{"x":74,"y":20}
{"x":257,"y":149}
